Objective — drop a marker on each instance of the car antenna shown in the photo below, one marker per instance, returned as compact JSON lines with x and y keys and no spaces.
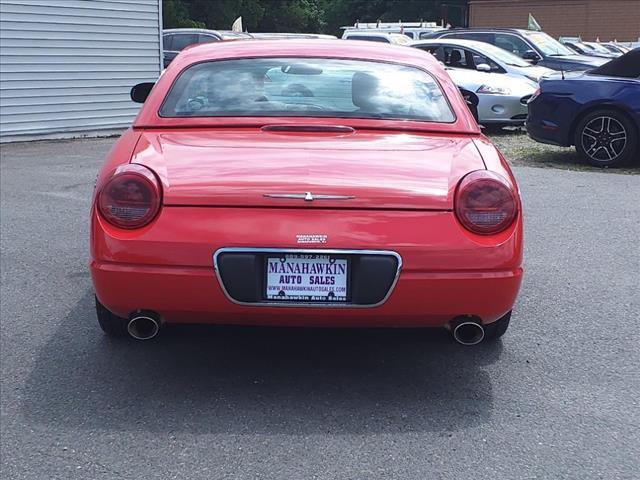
{"x":562,"y":73}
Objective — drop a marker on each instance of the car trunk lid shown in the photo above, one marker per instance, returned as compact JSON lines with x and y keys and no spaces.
{"x":336,"y":168}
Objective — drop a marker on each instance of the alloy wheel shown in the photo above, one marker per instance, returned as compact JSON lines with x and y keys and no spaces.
{"x":604,"y":139}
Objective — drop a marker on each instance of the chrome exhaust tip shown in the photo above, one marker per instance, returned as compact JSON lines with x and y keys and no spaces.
{"x":467,"y":332}
{"x":143,"y":327}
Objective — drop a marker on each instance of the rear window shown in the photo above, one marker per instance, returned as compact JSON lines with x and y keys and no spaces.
{"x":183,"y":40}
{"x":369,"y":38}
{"x":626,"y":66}
{"x":306,"y":87}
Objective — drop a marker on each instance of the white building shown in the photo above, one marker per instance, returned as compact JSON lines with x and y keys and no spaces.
{"x":67,"y":66}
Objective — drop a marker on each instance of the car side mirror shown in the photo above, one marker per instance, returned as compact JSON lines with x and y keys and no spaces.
{"x":483,"y":67}
{"x":140,"y":92}
{"x":531,"y":56}
{"x":472,"y":101}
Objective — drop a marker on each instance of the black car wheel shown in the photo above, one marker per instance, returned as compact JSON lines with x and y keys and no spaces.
{"x":497,"y":329}
{"x":110,"y":324}
{"x":606,"y":138}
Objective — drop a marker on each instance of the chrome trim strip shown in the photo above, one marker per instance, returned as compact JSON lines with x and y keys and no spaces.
{"x":320,"y":251}
{"x":308,"y":196}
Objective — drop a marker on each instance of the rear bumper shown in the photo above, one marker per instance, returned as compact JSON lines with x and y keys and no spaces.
{"x":549,"y":122}
{"x":168,"y":267}
{"x":194,"y":295}
{"x":545,"y":133}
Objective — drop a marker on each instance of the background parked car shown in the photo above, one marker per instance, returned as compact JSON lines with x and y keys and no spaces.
{"x":414,"y":30}
{"x":615,"y":48}
{"x":481,"y":56}
{"x":376,"y":36}
{"x":600,"y":48}
{"x":584,"y":49}
{"x":501,"y":99}
{"x":536,"y":47}
{"x":597,"y":111}
{"x":177,"y":39}
{"x":283,"y":35}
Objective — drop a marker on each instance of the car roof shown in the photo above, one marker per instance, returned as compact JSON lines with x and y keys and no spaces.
{"x":453,"y":41}
{"x":368,"y":33}
{"x":480,"y":29}
{"x":274,"y":35}
{"x":309,"y":48}
{"x":191,"y":30}
{"x":223,"y":34}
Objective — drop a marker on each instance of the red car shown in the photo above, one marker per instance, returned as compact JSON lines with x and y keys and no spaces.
{"x":306,"y":183}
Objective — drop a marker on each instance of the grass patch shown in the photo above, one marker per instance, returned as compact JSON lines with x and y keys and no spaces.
{"x":521,"y":150}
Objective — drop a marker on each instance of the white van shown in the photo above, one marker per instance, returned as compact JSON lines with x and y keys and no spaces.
{"x":413,"y":30}
{"x":377,"y":36}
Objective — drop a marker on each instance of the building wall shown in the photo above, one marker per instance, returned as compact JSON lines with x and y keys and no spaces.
{"x":590,"y":19}
{"x":67,"y":66}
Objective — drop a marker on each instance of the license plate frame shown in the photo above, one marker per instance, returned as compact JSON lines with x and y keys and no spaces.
{"x":320,"y":297}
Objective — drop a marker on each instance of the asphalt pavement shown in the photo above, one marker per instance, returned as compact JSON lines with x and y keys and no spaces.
{"x":557,"y":398}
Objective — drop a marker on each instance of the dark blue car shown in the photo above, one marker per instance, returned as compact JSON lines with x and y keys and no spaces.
{"x":597,"y":111}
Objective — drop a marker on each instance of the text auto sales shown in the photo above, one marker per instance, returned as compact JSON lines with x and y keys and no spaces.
{"x":322,"y":273}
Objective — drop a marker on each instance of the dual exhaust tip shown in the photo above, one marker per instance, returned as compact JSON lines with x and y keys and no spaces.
{"x":465,"y":330}
{"x":143,"y":326}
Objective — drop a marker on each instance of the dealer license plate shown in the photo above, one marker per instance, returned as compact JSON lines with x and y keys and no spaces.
{"x":307,"y":278}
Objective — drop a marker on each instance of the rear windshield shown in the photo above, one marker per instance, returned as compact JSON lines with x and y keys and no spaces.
{"x":309,"y":87}
{"x":626,"y":66}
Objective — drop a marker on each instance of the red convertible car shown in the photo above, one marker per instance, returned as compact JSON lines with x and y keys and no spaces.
{"x":305,"y":183}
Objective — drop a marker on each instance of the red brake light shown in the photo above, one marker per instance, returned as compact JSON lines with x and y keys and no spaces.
{"x":130,"y":198}
{"x":485,"y":202}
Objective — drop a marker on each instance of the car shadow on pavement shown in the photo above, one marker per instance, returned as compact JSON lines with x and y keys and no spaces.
{"x":200,"y":379}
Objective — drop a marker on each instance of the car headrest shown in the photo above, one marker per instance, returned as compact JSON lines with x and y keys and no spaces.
{"x":456,"y":56}
{"x":363,"y":89}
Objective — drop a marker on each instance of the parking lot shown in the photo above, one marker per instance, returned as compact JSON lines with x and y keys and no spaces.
{"x":557,"y":398}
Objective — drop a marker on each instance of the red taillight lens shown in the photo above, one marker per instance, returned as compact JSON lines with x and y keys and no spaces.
{"x":485,"y":202}
{"x":130,"y":198}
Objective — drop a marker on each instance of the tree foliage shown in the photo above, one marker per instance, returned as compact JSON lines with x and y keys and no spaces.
{"x":176,"y":15}
{"x":312,"y":16}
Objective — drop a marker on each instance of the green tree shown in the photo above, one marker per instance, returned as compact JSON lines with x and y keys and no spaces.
{"x":338,"y":13}
{"x":305,"y":15}
{"x":176,"y":15}
{"x":220,"y":14}
{"x":293,"y":16}
{"x":257,"y":15}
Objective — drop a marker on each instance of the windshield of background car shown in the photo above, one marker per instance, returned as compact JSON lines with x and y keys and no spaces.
{"x":503,"y":56}
{"x":306,"y":87}
{"x":400,"y":39}
{"x":547,"y":45}
{"x":597,"y":48}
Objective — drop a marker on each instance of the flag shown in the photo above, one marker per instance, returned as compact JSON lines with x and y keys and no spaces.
{"x":533,"y":25}
{"x":237,"y":25}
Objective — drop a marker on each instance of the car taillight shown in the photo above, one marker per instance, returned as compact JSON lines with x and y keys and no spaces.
{"x":485,"y":202}
{"x":131,"y":198}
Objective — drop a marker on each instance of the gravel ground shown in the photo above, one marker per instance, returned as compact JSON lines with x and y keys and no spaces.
{"x":520,"y":150}
{"x":556,"y":399}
